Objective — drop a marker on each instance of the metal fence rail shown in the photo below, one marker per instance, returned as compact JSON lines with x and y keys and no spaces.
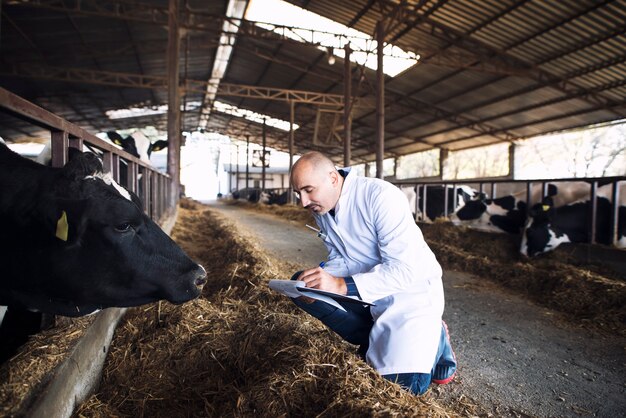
{"x":151,"y":185}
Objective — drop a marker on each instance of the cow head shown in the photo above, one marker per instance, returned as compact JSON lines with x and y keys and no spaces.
{"x":137,"y":144}
{"x":472,"y":211}
{"x":88,"y":245}
{"x":538,"y":235}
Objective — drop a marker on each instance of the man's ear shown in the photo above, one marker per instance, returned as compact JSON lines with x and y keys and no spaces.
{"x":334,"y":177}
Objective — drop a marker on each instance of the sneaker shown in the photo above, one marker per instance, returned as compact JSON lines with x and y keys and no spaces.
{"x":445,"y":369}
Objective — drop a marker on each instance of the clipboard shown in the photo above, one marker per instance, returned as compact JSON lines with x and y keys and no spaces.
{"x":336,"y":296}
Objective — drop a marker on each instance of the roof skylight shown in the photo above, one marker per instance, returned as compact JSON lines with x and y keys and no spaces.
{"x":252,"y":116}
{"x":330,"y":35}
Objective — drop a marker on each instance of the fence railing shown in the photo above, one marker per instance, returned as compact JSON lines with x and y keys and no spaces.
{"x":501,"y":187}
{"x":151,"y":185}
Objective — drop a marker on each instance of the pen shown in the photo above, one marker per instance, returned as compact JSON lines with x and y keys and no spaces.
{"x":319,"y":231}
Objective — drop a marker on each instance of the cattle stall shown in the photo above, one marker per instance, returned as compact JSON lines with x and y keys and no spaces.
{"x":532,"y":191}
{"x":74,"y":378}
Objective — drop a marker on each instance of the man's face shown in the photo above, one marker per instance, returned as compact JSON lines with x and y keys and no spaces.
{"x":318,"y":190}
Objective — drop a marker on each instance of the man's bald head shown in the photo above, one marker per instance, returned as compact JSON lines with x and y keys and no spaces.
{"x":313,"y":161}
{"x":317,"y":182}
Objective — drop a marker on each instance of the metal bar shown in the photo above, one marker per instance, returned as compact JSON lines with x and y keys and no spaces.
{"x":445,"y":199}
{"x":173,"y":100}
{"x":247,"y":159}
{"x":59,"y":142}
{"x":615,"y":196}
{"x":264,"y":139}
{"x":290,"y":146}
{"x":380,"y":102}
{"x":347,"y":120}
{"x":593,"y":212}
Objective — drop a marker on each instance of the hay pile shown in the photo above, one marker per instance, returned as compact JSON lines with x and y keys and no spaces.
{"x":24,"y":376}
{"x":590,"y":294}
{"x":239,"y":350}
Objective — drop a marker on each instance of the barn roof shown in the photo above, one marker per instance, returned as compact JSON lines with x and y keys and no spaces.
{"x":489,"y":72}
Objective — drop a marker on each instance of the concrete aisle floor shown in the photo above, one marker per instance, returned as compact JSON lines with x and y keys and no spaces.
{"x":515,"y":358}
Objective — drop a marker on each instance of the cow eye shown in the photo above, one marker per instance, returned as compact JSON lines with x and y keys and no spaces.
{"x":124,"y":227}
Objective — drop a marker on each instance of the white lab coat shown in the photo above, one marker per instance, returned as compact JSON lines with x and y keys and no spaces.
{"x":374,"y":239}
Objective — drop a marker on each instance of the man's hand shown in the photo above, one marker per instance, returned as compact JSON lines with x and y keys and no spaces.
{"x":318,"y":278}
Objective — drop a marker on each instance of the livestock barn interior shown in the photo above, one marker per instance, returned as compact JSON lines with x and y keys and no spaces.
{"x":534,"y":337}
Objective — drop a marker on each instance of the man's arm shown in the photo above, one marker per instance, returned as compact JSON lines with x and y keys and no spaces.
{"x":406,"y":261}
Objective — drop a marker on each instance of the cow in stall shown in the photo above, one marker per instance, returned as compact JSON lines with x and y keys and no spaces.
{"x":137,"y":144}
{"x":436,"y":200}
{"x":75,"y":242}
{"x":550,"y":225}
{"x":509,"y":213}
{"x":279,"y":198}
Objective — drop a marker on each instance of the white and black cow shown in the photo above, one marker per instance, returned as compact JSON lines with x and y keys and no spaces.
{"x":436,"y":200}
{"x":550,"y":226}
{"x":73,"y":241}
{"x":137,"y":144}
{"x":509,"y":213}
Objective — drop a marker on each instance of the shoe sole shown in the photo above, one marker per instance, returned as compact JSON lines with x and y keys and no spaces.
{"x":451,"y":378}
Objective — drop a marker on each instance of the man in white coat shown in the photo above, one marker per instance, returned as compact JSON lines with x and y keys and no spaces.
{"x":378,"y":254}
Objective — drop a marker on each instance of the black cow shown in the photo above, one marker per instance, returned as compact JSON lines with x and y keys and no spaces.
{"x":279,"y":199}
{"x":509,"y":213}
{"x":551,"y":226}
{"x":137,"y":144}
{"x":73,"y":241}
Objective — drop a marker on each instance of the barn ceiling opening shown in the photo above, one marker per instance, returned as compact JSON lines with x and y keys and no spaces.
{"x":302,"y":25}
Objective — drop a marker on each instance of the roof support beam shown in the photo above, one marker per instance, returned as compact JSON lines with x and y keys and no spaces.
{"x":159,"y":82}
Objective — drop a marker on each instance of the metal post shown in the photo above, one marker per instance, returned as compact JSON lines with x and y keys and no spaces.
{"x":247,"y":159}
{"x":263,"y":156}
{"x":593,"y":212}
{"x":614,"y":212}
{"x":380,"y":101}
{"x":237,"y":166}
{"x":173,"y":111}
{"x":59,"y":141}
{"x":443,"y":158}
{"x":347,"y":106}
{"x":291,"y":143}
{"x":512,"y":161}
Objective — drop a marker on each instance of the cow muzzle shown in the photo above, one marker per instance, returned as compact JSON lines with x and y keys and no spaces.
{"x":200,"y":277}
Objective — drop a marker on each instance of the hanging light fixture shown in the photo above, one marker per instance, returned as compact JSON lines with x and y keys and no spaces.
{"x":331,"y":56}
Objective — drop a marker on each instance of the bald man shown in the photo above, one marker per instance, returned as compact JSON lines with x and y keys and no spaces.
{"x":376,"y":253}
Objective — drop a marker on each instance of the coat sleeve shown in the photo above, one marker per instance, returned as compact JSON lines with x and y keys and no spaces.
{"x":335,"y":264}
{"x":407,"y":263}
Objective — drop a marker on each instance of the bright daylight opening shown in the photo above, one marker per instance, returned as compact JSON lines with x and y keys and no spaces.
{"x":252,"y":116}
{"x":329,"y":34}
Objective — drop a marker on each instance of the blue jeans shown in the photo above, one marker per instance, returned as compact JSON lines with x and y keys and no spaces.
{"x":354,"y":325}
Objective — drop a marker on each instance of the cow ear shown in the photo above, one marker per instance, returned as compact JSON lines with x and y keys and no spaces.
{"x":552,"y":190}
{"x":547,"y":202}
{"x":158,"y":145}
{"x":81,"y":165}
{"x":115,"y":137}
{"x":64,"y":219}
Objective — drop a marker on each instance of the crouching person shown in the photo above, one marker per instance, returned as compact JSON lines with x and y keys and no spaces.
{"x":376,"y":253}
